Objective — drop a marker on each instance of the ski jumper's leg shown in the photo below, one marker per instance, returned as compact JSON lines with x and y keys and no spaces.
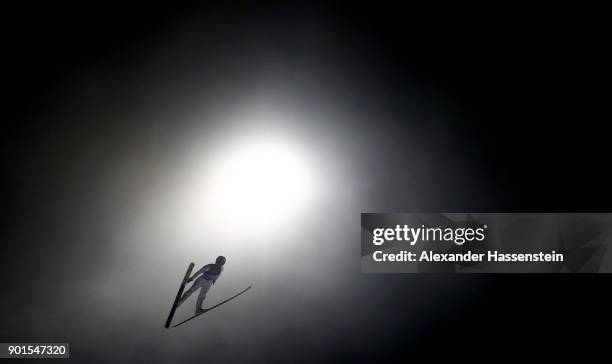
{"x":205,"y":287}
{"x":189,"y":292}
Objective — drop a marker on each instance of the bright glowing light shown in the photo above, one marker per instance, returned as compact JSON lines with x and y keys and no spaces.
{"x":256,"y":185}
{"x":260,"y":184}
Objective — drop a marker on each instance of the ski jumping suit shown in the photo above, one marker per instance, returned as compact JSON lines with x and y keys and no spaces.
{"x":210,"y":274}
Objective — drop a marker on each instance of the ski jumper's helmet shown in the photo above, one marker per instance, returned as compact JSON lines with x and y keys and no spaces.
{"x":220,"y":260}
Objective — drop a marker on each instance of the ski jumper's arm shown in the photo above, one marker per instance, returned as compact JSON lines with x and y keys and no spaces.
{"x":201,"y":271}
{"x":215,"y":280}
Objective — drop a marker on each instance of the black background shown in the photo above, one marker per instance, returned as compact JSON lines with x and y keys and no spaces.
{"x":527,"y":86}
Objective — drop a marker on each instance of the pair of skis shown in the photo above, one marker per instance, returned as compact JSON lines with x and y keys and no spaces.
{"x":180,"y":294}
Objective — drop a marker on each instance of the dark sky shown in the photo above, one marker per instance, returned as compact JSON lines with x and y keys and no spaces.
{"x":414,"y":108}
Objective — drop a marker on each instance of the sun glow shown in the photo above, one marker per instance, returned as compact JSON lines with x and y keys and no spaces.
{"x":254,"y":186}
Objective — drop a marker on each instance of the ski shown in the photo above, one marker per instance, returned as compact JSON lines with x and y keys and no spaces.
{"x":178,"y":295}
{"x":217,"y":305}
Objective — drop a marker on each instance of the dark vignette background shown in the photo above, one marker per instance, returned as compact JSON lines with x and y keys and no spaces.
{"x":523,"y":91}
